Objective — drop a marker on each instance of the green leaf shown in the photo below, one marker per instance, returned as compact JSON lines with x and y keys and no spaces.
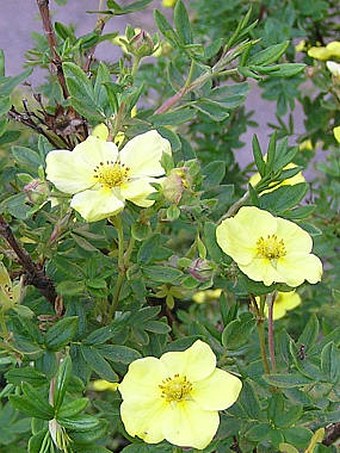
{"x":237,"y":332}
{"x":269,"y":55}
{"x":96,"y":361}
{"x":165,"y":28}
{"x":73,"y":408}
{"x":62,"y":380}
{"x":258,"y":158}
{"x":330,"y":362}
{"x":7,"y":84}
{"x":2,"y":63}
{"x":182,"y":23}
{"x":214,"y":110}
{"x":118,"y":10}
{"x":82,"y":93}
{"x":214,"y":173}
{"x":181,"y":116}
{"x":210,"y":242}
{"x":61,"y":333}
{"x":5,"y":105}
{"x":283,"y":198}
{"x":310,"y":333}
{"x":287,"y":380}
{"x":27,"y":374}
{"x":79,"y":422}
{"x":40,"y":442}
{"x":162,"y":274}
{"x":298,"y":436}
{"x":26,"y":157}
{"x":32,"y":403}
{"x":119,"y":353}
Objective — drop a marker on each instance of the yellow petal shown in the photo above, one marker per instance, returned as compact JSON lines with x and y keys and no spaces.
{"x":296,"y":268}
{"x":101,"y":385}
{"x":141,"y":383}
{"x":334,"y":48}
{"x":218,"y":391}
{"x":187,"y":425}
{"x":334,"y":68}
{"x":196,"y":362}
{"x":296,"y":240}
{"x":262,"y":270}
{"x":144,"y":419}
{"x":319,"y":53}
{"x":93,"y":151}
{"x":235,"y":241}
{"x":336,"y":132}
{"x":65,"y":173}
{"x":283,"y":303}
{"x":138,"y":190}
{"x":143,"y":153}
{"x":101,"y":131}
{"x":94,"y":205}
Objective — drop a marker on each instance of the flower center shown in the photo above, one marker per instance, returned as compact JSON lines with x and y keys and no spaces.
{"x":110,"y":174}
{"x":176,"y":389}
{"x":271,"y":247}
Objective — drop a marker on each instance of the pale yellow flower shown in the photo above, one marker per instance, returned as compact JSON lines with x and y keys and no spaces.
{"x":334,"y":68}
{"x":177,"y":397}
{"x":100,"y":178}
{"x":10,"y":292}
{"x":296,"y":179}
{"x":269,"y":249}
{"x":207,"y":295}
{"x":169,"y":3}
{"x":325,"y":53}
{"x":336,"y":132}
{"x":301,"y":46}
{"x":284,"y":302}
{"x":306,"y":145}
{"x":101,"y":385}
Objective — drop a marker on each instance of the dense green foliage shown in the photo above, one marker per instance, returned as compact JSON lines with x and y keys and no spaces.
{"x":125,"y":285}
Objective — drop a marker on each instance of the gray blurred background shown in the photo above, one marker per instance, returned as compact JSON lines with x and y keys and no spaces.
{"x":19,"y":18}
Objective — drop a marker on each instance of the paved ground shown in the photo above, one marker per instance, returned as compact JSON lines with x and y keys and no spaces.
{"x":19,"y":18}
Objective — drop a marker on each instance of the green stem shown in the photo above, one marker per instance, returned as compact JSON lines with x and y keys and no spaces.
{"x":271,"y":342}
{"x":262,"y":336}
{"x":135,"y":66}
{"x":3,"y":325}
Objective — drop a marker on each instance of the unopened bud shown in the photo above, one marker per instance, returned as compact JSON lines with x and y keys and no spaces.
{"x":175,"y":184}
{"x":141,"y":44}
{"x":201,"y":270}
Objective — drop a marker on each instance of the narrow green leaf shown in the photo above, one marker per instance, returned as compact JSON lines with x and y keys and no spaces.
{"x":330,"y":362}
{"x":258,"y":158}
{"x":287,"y":380}
{"x":73,"y":408}
{"x":269,"y":55}
{"x":62,"y":380}
{"x":182,"y":23}
{"x":310,"y":333}
{"x":61,"y":333}
{"x":98,"y":364}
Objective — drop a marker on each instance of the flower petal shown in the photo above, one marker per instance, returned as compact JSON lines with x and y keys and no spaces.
{"x":187,"y":425}
{"x":218,"y":391}
{"x":283,"y":303}
{"x":143,"y":153}
{"x":262,"y":270}
{"x":141,"y":383}
{"x":144,"y":419}
{"x":63,"y":171}
{"x":94,"y":205}
{"x":196,"y":362}
{"x":235,"y":241}
{"x":256,"y":221}
{"x":93,"y":151}
{"x":138,"y":190}
{"x":296,"y":268}
{"x":296,"y":239}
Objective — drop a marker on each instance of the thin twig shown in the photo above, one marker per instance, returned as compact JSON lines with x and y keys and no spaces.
{"x":235,"y":207}
{"x":271,"y":343}
{"x":44,"y":10}
{"x":34,"y":275}
{"x":332,"y":434}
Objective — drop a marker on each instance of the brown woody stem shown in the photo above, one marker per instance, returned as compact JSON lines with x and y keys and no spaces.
{"x":44,"y":10}
{"x":34,"y":274}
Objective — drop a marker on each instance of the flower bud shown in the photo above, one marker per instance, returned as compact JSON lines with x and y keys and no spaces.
{"x":141,"y":45}
{"x":175,"y":184}
{"x":201,"y":270}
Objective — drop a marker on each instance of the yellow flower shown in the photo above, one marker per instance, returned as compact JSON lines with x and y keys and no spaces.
{"x":325,"y":53}
{"x":283,"y":303}
{"x":300,"y":46}
{"x":100,"y":178}
{"x":177,"y":397}
{"x":334,"y":68}
{"x":169,"y":3}
{"x":306,"y":145}
{"x":206,"y":296}
{"x":10,"y":293}
{"x":101,"y":385}
{"x":269,"y":249}
{"x":336,"y":132}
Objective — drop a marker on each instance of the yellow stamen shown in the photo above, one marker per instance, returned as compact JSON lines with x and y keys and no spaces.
{"x":176,"y":389}
{"x":110,"y":174}
{"x":271,"y":247}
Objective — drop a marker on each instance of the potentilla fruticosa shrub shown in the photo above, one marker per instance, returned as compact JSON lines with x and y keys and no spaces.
{"x":155,"y":295}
